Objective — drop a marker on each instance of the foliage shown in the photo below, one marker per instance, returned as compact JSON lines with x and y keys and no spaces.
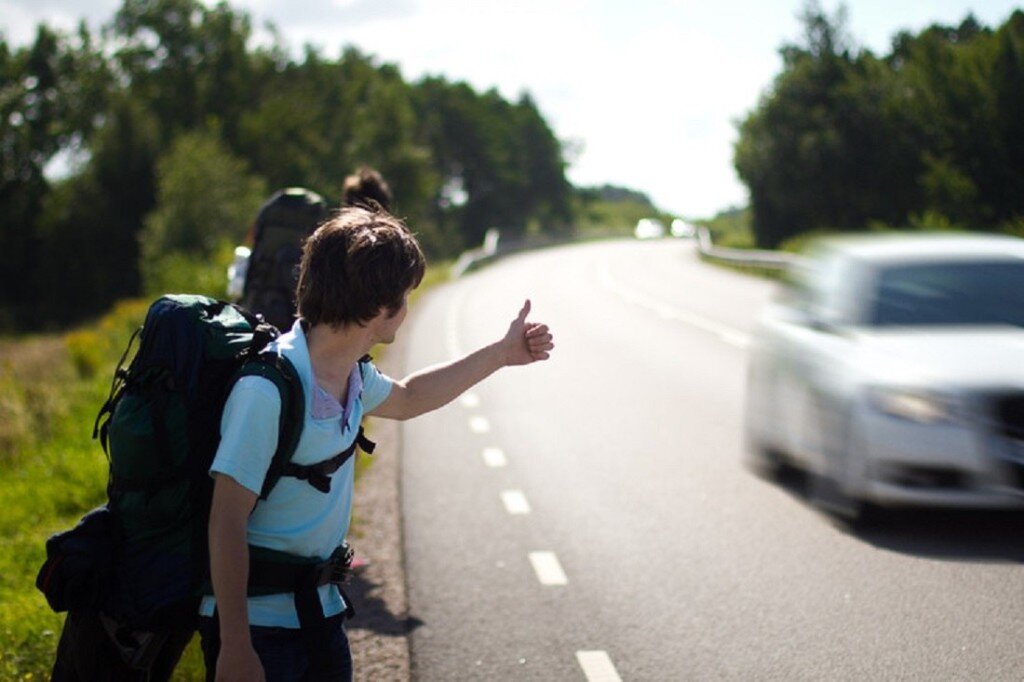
{"x":49,"y":441}
{"x":179,"y":272}
{"x":502,"y":156}
{"x":50,"y":95}
{"x":206,"y":200}
{"x":844,"y":139}
{"x":731,"y":228}
{"x":610,"y":210}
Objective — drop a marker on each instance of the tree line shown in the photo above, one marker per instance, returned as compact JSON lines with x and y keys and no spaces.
{"x":159,"y":136}
{"x":930,"y":134}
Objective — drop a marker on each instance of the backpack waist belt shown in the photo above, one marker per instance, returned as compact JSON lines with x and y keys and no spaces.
{"x":272,"y":572}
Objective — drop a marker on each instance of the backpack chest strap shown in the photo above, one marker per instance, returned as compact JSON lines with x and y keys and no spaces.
{"x":319,"y":475}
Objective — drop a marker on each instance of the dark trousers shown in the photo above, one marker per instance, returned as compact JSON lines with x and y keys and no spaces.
{"x":311,"y":654}
{"x":87,"y":652}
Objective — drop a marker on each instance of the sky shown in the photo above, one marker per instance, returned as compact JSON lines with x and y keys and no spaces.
{"x":647,"y":93}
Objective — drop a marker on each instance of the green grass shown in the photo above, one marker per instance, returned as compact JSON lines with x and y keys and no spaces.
{"x":52,"y":471}
{"x":732,"y":229}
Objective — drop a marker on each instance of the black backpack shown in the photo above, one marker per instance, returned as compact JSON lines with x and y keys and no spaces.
{"x":282,"y":224}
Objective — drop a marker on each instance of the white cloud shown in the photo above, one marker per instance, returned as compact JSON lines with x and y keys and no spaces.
{"x":22,"y":17}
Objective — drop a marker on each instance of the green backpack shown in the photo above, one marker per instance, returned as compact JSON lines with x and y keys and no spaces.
{"x":143,"y":558}
{"x":161,"y":428}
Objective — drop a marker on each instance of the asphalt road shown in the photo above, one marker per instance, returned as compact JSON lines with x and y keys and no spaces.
{"x":589,"y":518}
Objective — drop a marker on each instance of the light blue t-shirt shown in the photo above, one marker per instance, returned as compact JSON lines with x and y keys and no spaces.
{"x":296,"y":517}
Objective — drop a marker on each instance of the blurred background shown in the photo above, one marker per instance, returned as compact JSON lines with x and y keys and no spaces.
{"x":155,"y":127}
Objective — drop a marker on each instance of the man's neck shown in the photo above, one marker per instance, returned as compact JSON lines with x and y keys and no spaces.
{"x":333,"y":351}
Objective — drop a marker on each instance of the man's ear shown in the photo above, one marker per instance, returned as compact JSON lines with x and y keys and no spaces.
{"x":390,"y":312}
{"x":383,"y":313}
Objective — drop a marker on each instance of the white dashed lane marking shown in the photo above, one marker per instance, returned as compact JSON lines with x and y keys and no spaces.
{"x":515,"y":502}
{"x":494,"y":458}
{"x":547,"y":568}
{"x":597,"y":666}
{"x":479,"y":425}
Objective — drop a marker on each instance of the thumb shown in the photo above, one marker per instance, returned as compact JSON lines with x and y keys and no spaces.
{"x":524,"y":312}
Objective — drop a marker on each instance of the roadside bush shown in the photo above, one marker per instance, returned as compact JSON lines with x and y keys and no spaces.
{"x":179,"y":273}
{"x":86,"y":352}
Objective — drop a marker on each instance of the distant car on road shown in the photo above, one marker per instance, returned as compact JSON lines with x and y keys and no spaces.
{"x":681,"y":228}
{"x":649,"y":228}
{"x":891,"y":370}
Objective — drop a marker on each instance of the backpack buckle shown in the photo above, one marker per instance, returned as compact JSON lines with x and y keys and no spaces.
{"x":337,"y":568}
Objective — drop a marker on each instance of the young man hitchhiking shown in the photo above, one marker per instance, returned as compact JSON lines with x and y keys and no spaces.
{"x":356,"y":274}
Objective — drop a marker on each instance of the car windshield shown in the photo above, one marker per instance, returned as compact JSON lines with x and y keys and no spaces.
{"x":952,"y":293}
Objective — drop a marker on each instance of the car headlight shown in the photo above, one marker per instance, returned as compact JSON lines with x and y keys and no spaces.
{"x":913,"y":405}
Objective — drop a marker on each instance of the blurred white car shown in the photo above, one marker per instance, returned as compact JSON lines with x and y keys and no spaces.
{"x":892,"y":371}
{"x":649,"y":228}
{"x":681,"y":228}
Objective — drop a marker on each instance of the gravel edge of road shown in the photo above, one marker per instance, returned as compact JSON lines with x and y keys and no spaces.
{"x":379,"y":632}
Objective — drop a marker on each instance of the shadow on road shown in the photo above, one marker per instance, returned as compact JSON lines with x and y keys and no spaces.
{"x":372,"y":612}
{"x":945,"y":534}
{"x":953,"y":534}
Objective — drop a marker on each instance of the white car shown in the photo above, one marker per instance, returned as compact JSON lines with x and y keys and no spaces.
{"x":891,"y":370}
{"x":683,"y":229}
{"x":649,"y":228}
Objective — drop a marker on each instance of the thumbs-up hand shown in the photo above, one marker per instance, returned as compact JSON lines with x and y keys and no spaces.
{"x":527,"y":342}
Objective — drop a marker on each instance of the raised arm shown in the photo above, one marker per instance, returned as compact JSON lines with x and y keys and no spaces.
{"x":428,"y":389}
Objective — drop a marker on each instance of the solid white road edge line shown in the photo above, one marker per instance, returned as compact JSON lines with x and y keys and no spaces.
{"x":515,"y":502}
{"x":597,"y":666}
{"x":724,"y":332}
{"x":547,"y":568}
{"x":494,"y":458}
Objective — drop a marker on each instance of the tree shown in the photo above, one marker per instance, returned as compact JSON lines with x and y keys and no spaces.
{"x":206,"y":198}
{"x":502,"y":158}
{"x":51,"y":95}
{"x":843,"y":140}
{"x":790,"y":144}
{"x":88,"y":226}
{"x":186,"y":62}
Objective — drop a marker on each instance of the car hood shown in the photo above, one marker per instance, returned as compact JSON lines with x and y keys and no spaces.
{"x":947,"y":356}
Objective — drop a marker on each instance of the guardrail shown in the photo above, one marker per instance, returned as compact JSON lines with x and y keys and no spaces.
{"x":473,"y":256}
{"x":768,"y":260}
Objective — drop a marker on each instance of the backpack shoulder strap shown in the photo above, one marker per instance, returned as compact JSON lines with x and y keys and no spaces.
{"x":279,"y":370}
{"x":319,"y":475}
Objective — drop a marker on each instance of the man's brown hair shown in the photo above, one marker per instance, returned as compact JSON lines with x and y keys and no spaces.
{"x":355,"y":264}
